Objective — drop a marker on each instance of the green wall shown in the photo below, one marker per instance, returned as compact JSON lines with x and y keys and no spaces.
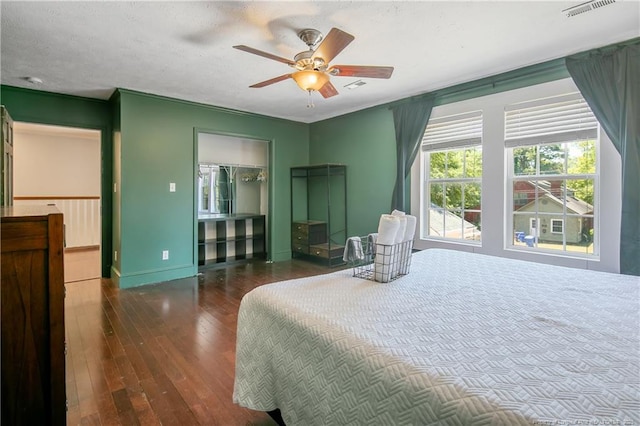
{"x":158,"y":147}
{"x":365,"y":142}
{"x":32,"y":106}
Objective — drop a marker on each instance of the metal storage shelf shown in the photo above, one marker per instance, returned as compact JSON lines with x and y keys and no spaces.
{"x":319,"y":212}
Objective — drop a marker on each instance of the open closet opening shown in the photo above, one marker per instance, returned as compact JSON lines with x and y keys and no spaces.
{"x":232,"y":199}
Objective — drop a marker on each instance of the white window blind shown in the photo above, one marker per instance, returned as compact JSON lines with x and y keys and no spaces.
{"x":453,"y":131}
{"x":551,"y":120}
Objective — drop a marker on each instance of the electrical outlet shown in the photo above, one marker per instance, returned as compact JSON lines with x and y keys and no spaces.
{"x":172,"y":187}
{"x":165,"y":254}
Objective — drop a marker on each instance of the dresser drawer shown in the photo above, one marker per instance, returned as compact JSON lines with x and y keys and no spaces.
{"x":322,"y":250}
{"x":300,"y":248}
{"x":298,"y":237}
{"x":308,"y":232}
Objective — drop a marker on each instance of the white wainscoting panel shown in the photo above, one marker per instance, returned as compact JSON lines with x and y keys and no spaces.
{"x":81,"y":218}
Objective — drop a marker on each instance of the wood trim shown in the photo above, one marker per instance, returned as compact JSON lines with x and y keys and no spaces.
{"x":59,"y":197}
{"x":81,"y":248}
{"x":57,"y":387}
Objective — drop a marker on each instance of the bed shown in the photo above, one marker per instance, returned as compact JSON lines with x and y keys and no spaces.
{"x":464,"y":339}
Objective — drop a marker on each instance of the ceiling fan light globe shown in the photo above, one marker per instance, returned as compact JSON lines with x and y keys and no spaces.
{"x":310,"y":79}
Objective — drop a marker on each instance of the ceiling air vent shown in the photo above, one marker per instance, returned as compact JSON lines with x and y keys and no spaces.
{"x":355,"y":84}
{"x":586,"y":7}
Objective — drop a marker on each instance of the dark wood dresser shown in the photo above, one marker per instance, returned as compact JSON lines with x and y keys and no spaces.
{"x":305,"y":233}
{"x":32,"y":303}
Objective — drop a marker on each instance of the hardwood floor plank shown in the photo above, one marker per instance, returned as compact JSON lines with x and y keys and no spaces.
{"x":107,"y":409}
{"x":122,"y":403}
{"x":162,"y":353}
{"x":93,"y":419}
{"x":161,"y":406}
{"x":112,"y":375}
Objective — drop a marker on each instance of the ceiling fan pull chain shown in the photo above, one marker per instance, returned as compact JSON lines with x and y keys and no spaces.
{"x":310,"y":104}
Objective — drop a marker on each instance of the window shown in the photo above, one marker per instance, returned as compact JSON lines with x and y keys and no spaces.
{"x":452,"y":178}
{"x":562,"y":168}
{"x":552,"y":149}
{"x":557,"y":226}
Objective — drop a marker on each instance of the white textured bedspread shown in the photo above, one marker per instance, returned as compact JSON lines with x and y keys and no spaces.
{"x":463,"y":339}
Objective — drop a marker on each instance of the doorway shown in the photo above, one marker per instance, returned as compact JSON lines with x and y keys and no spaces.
{"x":61,"y":166}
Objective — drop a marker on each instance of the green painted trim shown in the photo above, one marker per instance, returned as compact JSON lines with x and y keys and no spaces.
{"x":195,"y":196}
{"x":281,"y":256}
{"x":231,"y":134}
{"x":207,"y":106}
{"x":156,"y":276}
{"x":606,"y":49}
{"x":269,"y":241}
{"x":115,"y":276}
{"x":522,"y":77}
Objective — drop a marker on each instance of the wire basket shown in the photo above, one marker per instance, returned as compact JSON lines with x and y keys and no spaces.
{"x":380,"y":262}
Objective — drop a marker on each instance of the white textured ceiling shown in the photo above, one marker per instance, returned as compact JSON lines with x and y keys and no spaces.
{"x":184,"y":50}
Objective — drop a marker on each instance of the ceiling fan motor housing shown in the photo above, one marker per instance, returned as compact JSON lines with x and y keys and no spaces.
{"x":310,"y":36}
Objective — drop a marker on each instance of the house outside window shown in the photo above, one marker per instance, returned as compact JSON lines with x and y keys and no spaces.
{"x":452,"y":178}
{"x":552,"y":174}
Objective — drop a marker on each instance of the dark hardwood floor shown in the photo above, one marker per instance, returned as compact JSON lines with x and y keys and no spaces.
{"x":163,"y":353}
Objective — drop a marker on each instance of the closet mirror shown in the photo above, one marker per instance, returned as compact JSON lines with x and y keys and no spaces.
{"x":227,"y":189}
{"x":232,"y":175}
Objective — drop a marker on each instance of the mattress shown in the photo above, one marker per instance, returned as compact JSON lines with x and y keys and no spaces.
{"x":463,"y":339}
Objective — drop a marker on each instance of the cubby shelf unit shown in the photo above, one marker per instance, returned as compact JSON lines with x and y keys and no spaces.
{"x":229,"y":238}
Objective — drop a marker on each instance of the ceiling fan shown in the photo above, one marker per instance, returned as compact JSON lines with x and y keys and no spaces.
{"x":312,"y":69}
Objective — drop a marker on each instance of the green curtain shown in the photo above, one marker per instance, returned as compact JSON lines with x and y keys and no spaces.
{"x":410,"y":120}
{"x":610,"y":83}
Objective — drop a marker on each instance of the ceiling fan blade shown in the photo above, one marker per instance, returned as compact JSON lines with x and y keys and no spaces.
{"x":271,"y":81}
{"x":328,"y":90}
{"x":264,"y":54}
{"x":332,"y":44}
{"x":361,"y":71}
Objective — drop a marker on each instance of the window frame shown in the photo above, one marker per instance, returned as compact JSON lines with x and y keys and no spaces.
{"x":468,"y":138}
{"x":574,"y":136}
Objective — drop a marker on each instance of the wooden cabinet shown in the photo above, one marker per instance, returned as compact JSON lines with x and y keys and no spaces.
{"x":32,"y":303}
{"x":319,"y":212}
{"x":228,"y":238}
{"x":306,"y":233}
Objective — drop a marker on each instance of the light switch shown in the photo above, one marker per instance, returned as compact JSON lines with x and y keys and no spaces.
{"x":172,"y":187}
